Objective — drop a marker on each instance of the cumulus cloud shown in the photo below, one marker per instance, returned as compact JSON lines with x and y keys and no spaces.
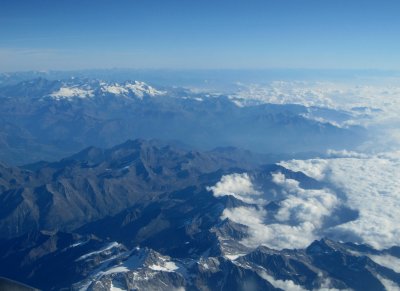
{"x":251,"y":216}
{"x":273,"y":235}
{"x":370,"y":186}
{"x":298,"y":221}
{"x":303,"y":205}
{"x":314,"y":168}
{"x":239,"y":186}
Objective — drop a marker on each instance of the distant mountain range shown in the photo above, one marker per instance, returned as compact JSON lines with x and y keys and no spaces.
{"x":45,"y":119}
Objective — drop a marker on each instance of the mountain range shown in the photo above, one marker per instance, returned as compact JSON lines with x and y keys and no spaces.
{"x":141,"y":216}
{"x":44,"y":119}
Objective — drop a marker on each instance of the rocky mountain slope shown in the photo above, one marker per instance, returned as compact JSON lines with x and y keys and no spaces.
{"x":95,"y":183}
{"x":144,"y":215}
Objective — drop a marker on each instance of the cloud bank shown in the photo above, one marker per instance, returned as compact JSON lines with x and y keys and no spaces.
{"x":374,"y":107}
{"x":296,"y":224}
{"x":369,"y":185}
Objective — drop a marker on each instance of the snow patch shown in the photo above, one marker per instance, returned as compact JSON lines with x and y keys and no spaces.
{"x":71,"y":92}
{"x":141,"y":88}
{"x":166,"y":267}
{"x":114,"y":89}
{"x":105,"y":249}
{"x":234,"y":257}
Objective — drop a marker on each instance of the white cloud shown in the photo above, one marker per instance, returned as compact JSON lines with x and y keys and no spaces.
{"x":280,"y":236}
{"x":239,"y":186}
{"x":314,"y":168}
{"x":250,"y":216}
{"x":375,"y":106}
{"x":298,"y":221}
{"x":289,"y":285}
{"x":282,"y":284}
{"x":358,"y":99}
{"x":303,"y":205}
{"x":388,"y":284}
{"x":387,"y":261}
{"x":370,"y":186}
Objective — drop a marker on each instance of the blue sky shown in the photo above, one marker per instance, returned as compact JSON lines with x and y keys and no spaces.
{"x":199,"y":34}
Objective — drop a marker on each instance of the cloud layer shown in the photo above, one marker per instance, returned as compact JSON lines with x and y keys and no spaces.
{"x":374,"y":106}
{"x":369,"y":185}
{"x":296,"y":224}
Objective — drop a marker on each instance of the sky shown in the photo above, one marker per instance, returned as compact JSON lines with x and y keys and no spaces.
{"x":199,"y":34}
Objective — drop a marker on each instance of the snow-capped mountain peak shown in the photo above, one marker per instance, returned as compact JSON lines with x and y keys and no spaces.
{"x":115,"y":89}
{"x":141,"y":88}
{"x":66,"y":92}
{"x":135,"y":89}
